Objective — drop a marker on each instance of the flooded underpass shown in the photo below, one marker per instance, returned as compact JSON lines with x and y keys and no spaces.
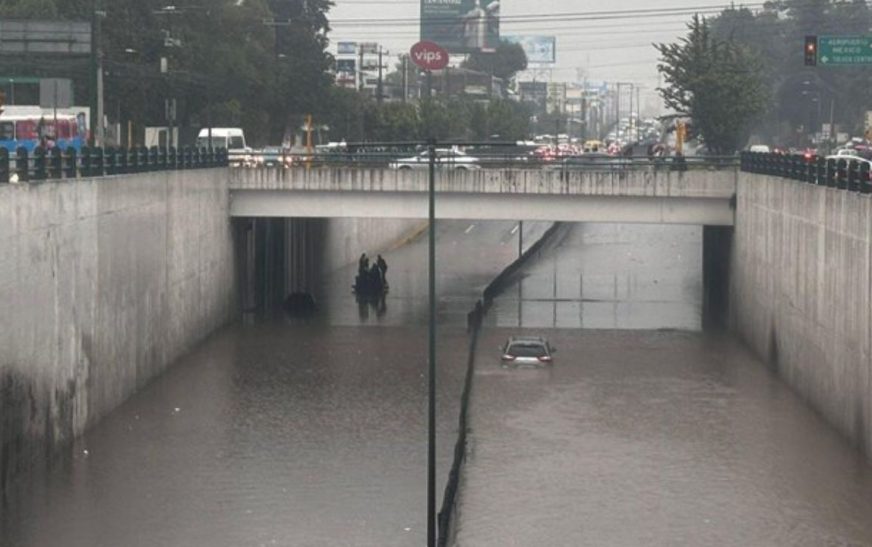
{"x":288,"y":431}
{"x":312,"y":432}
{"x":646,"y":430}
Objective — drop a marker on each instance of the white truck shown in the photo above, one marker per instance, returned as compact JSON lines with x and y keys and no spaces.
{"x":231,"y":138}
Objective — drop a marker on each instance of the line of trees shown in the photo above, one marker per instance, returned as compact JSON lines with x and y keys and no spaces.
{"x":355,"y":117}
{"x":743,"y":72}
{"x":259,"y":64}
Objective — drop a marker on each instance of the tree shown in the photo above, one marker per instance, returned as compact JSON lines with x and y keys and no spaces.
{"x":507,"y":60}
{"x":716,"y":83}
{"x":43,"y":9}
{"x":801,"y":98}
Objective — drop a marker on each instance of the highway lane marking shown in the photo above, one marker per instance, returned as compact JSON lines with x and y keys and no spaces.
{"x":515,"y":229}
{"x":471,"y":228}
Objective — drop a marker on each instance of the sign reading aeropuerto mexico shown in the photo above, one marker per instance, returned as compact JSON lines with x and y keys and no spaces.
{"x":844,"y":50}
{"x":461,"y":26}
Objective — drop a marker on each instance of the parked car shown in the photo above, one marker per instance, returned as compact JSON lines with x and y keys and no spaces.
{"x":450,"y":158}
{"x":273,"y":156}
{"x":527,"y":351}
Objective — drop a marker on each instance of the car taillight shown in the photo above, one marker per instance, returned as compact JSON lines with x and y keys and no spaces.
{"x":507,"y":357}
{"x":545,"y":358}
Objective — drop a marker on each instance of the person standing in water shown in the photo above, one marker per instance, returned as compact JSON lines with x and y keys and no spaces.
{"x":383,"y":267}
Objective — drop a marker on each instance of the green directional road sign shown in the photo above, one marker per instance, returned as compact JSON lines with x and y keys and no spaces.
{"x":844,"y":50}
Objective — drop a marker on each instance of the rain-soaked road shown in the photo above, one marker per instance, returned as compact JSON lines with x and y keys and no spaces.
{"x":644,"y":437}
{"x":282,"y":433}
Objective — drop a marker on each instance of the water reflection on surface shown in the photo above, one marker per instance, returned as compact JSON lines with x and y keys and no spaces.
{"x":610,"y":276}
{"x":293,"y":432}
{"x":640,"y":437}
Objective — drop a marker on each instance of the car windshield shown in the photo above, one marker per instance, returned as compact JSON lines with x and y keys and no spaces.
{"x":526,"y":349}
{"x":217,"y":142}
{"x":237,"y":142}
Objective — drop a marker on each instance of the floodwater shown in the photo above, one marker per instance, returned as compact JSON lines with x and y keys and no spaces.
{"x":288,"y":432}
{"x":666,"y":437}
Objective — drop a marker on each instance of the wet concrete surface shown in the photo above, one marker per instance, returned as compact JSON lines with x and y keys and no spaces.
{"x":645,"y":437}
{"x":285,"y":432}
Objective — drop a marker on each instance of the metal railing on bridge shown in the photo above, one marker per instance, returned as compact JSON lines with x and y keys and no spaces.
{"x":55,"y":164}
{"x":848,"y":174}
{"x":486,"y":157}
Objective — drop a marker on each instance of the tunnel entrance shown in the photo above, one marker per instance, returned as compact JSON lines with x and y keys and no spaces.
{"x":717,"y":244}
{"x":278,"y":260}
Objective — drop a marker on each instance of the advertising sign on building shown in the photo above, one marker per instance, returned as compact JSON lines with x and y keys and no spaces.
{"x":534,"y":92}
{"x":346,"y":48}
{"x":539,"y":49}
{"x":346,"y":66}
{"x":461,"y":26}
{"x":44,"y":37}
{"x":369,"y":48}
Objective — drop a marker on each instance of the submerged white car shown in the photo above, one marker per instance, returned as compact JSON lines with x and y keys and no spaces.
{"x":451,"y":158}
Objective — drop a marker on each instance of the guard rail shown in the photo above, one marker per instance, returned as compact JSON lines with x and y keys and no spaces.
{"x":848,"y":174}
{"x":55,"y":164}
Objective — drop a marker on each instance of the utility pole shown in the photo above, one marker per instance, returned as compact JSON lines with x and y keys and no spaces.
{"x":405,"y":60}
{"x":96,"y":107}
{"x":380,"y":88}
{"x":638,"y":111}
{"x":618,"y":109}
{"x":360,"y":68}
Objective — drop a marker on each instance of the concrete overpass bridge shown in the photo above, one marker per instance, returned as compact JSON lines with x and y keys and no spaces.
{"x":648,"y":195}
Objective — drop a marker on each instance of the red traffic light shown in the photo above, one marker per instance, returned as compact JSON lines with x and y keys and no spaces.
{"x":810,"y":52}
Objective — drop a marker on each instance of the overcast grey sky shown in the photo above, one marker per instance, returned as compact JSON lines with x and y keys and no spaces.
{"x":617,"y":49}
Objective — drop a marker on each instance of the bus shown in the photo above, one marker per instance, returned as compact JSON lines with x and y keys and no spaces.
{"x":29,"y":131}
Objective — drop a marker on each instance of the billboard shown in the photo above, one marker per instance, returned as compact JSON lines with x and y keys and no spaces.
{"x":346,"y":66}
{"x":534,"y":92}
{"x":539,"y":49}
{"x":461,"y":26}
{"x":44,"y":37}
{"x":346,"y":48}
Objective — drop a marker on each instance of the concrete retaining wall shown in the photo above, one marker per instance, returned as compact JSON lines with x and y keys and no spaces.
{"x":104,"y":283}
{"x":346,"y":238}
{"x":801,"y":292}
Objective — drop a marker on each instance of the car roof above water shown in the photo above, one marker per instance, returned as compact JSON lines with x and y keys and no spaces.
{"x":527,"y":340}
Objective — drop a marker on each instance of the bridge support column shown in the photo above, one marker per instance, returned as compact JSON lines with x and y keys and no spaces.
{"x":717,"y":244}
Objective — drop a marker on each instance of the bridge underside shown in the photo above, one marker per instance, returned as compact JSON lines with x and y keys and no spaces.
{"x":563,"y":208}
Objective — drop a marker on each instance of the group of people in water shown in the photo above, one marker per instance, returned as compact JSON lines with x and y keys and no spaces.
{"x":371,"y":277}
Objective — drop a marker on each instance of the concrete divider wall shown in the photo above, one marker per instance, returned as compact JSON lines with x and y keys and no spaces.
{"x":801,"y":292}
{"x":104,"y":282}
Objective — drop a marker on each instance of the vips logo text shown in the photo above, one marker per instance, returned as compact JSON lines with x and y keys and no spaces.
{"x":429,"y":56}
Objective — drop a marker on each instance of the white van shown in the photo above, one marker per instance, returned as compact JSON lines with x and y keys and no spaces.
{"x":231,"y":138}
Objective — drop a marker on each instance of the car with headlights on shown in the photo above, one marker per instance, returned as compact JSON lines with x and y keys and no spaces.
{"x":529,"y":351}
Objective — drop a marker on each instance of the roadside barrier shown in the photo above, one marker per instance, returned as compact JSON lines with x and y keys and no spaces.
{"x":474,"y":320}
{"x":846,"y":173}
{"x":55,"y":164}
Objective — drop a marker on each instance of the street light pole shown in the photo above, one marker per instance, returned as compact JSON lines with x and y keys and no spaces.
{"x":431,"y":393}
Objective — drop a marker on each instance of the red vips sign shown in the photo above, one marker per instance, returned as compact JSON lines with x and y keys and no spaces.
{"x":429,"y":55}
